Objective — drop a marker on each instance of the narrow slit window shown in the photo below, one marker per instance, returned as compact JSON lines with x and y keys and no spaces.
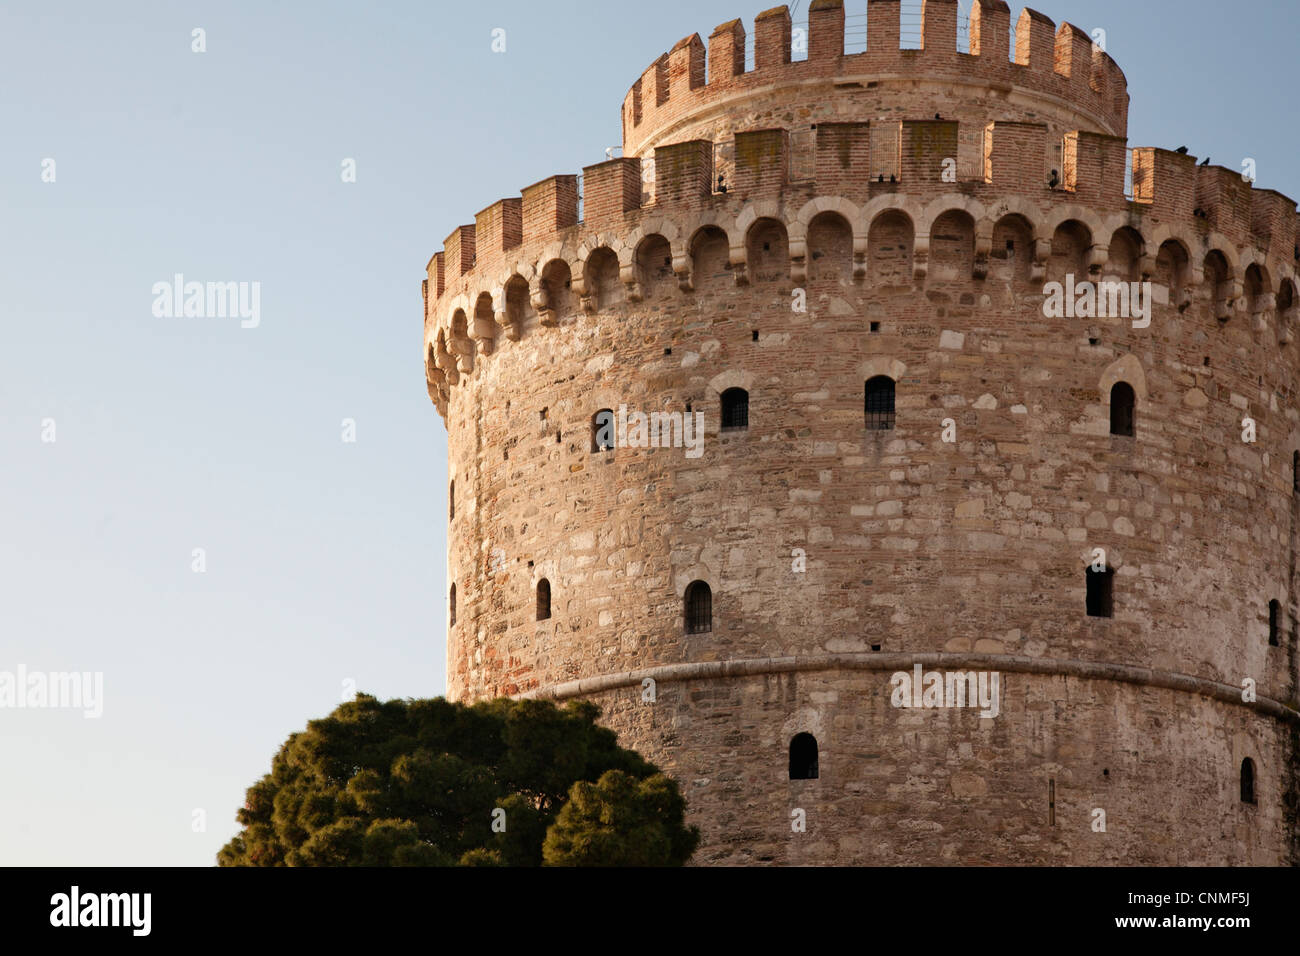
{"x":543,"y":600}
{"x":1274,"y":623}
{"x":1248,"y":781}
{"x":451,"y":601}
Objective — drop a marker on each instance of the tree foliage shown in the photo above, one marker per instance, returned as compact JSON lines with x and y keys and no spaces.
{"x":621,"y":821}
{"x":419,"y":783}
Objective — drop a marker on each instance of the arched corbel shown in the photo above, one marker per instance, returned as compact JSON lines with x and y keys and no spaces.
{"x":447,"y":362}
{"x":1146,"y":266}
{"x":739,"y":259}
{"x":484,"y":331}
{"x":1225,"y":308}
{"x":1286,"y":324}
{"x":540,"y":302}
{"x":1266,"y":312}
{"x":509,"y":329}
{"x":920,"y":256}
{"x":627,"y":273}
{"x":798,"y":247}
{"x":983,"y":249}
{"x":1042,"y":253}
{"x":683,"y":268}
{"x":1098,"y":256}
{"x":578,"y":284}
{"x":464,"y":352}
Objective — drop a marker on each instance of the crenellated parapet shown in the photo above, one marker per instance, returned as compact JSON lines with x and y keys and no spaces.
{"x":1056,"y":68}
{"x":531,"y":261}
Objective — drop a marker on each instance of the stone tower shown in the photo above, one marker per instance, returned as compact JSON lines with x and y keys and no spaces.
{"x":984,"y":393}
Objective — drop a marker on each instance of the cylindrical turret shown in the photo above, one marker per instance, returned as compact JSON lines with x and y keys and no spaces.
{"x":981,"y":391}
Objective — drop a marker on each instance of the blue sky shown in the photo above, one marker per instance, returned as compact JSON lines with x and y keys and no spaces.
{"x":325,"y":560}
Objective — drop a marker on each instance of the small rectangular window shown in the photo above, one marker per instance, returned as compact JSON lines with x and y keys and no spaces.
{"x":1101,"y":594}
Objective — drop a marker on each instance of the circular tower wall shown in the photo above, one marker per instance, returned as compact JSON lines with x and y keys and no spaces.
{"x":845,"y":537}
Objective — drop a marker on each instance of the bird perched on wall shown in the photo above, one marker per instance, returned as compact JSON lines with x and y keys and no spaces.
{"x":893,"y":178}
{"x":1181,"y":151}
{"x":880,"y":178}
{"x":1206,"y":161}
{"x":722,"y":186}
{"x":1054,"y":181}
{"x":937,"y":116}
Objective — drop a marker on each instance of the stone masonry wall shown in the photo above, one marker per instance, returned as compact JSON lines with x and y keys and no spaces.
{"x":798,"y":284}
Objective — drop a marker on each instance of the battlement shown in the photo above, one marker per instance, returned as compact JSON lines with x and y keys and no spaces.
{"x":535,"y":256}
{"x":559,"y":246}
{"x":1047,"y":63}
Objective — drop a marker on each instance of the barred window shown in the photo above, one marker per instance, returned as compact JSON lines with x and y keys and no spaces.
{"x":880,"y":403}
{"x":543,"y":599}
{"x":803,"y":757}
{"x":699,"y":608}
{"x":735,"y":409}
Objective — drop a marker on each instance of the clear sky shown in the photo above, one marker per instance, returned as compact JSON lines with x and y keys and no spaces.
{"x":325,"y":559}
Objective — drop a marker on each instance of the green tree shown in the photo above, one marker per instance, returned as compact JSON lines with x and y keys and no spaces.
{"x":621,"y":821}
{"x":418,"y":783}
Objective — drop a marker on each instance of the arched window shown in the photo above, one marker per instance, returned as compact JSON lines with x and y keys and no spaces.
{"x":699,"y":608}
{"x":451,"y":601}
{"x":1248,"y":781}
{"x":735,"y":409}
{"x":1101,"y":593}
{"x":543,"y":600}
{"x":1122,"y":402}
{"x":880,"y":403}
{"x":1274,"y":613}
{"x":803,"y":757}
{"x":602,"y":430}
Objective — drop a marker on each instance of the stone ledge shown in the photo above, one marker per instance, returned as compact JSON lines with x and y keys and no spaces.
{"x":1087,"y":670}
